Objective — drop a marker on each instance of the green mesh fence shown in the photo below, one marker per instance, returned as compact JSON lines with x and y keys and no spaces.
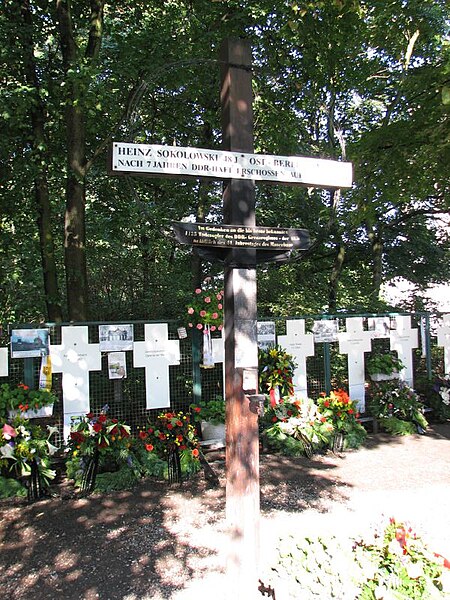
{"x":126,"y":398}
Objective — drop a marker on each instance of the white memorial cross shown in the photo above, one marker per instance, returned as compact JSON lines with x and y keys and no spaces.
{"x":300,"y":345}
{"x":443,"y":340}
{"x":354,"y":342}
{"x":403,"y":340}
{"x":3,"y":362}
{"x":156,"y":354}
{"x":74,"y":358}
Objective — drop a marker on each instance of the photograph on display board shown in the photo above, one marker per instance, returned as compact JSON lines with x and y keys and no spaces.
{"x":117,"y":366}
{"x":266,"y":334}
{"x":326,"y":330}
{"x":114,"y":338}
{"x":379,"y":326}
{"x":29,"y":343}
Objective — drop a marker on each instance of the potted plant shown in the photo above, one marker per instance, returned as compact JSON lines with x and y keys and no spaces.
{"x":22,"y":400}
{"x":211,"y":414}
{"x":383,"y":367}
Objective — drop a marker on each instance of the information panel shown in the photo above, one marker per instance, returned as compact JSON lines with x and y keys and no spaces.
{"x":152,"y":159}
{"x":233,"y":236}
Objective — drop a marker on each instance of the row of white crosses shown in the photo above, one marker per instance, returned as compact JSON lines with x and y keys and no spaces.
{"x":75,"y":357}
{"x":354,"y":342}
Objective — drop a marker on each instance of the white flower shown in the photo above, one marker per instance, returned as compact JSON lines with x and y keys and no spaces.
{"x":414,"y":570}
{"x":445,"y":395}
{"x":7,"y":451}
{"x":51,"y":430}
{"x":51,"y":449}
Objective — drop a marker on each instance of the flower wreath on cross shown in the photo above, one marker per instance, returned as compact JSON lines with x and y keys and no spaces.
{"x":206,"y":309}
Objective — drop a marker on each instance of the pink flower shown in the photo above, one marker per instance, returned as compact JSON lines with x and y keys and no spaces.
{"x":220,"y":327}
{"x":199,"y":326}
{"x":219,"y":306}
{"x":203,"y":313}
{"x":8,"y":431}
{"x":198,"y":291}
{"x":208,"y":299}
{"x":213,"y":327}
{"x":219,"y":296}
{"x":190,"y":325}
{"x":215,"y":316}
{"x":190,"y":311}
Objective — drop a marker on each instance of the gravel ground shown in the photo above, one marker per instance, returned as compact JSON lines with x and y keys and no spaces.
{"x":169,"y":542}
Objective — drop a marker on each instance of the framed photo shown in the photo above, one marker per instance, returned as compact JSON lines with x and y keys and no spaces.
{"x":326,"y":330}
{"x":114,"y":338}
{"x":379,"y":326}
{"x":117,"y":365}
{"x":29,"y":343}
{"x":266,"y":334}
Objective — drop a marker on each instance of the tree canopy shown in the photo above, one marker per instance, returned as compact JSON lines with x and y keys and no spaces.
{"x":345,"y":79}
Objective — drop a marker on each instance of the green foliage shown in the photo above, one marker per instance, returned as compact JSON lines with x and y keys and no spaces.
{"x":359,"y":92}
{"x":10,"y":487}
{"x":396,"y":426}
{"x":123,"y":479}
{"x":213,"y":410}
{"x":384,"y":363}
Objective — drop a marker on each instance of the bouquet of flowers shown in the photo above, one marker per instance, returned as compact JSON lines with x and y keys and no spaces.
{"x":440,"y":400}
{"x":400,"y":565}
{"x":22,"y":443}
{"x":173,"y":440}
{"x":90,"y":433}
{"x":173,"y":430}
{"x":206,"y":309}
{"x":339,"y":410}
{"x":276,"y":370}
{"x":397,"y":407}
{"x":294,"y":426}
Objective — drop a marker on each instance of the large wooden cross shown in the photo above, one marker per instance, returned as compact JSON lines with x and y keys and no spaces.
{"x":239,"y":167}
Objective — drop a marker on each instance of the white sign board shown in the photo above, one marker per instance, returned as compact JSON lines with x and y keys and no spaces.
{"x":220,"y":164}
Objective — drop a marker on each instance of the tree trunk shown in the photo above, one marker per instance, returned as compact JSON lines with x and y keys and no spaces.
{"x":74,"y":225}
{"x":376,"y":240}
{"x":41,"y":188}
{"x":334,"y":278}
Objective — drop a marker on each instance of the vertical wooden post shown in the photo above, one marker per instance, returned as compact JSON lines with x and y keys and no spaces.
{"x":241,"y":353}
